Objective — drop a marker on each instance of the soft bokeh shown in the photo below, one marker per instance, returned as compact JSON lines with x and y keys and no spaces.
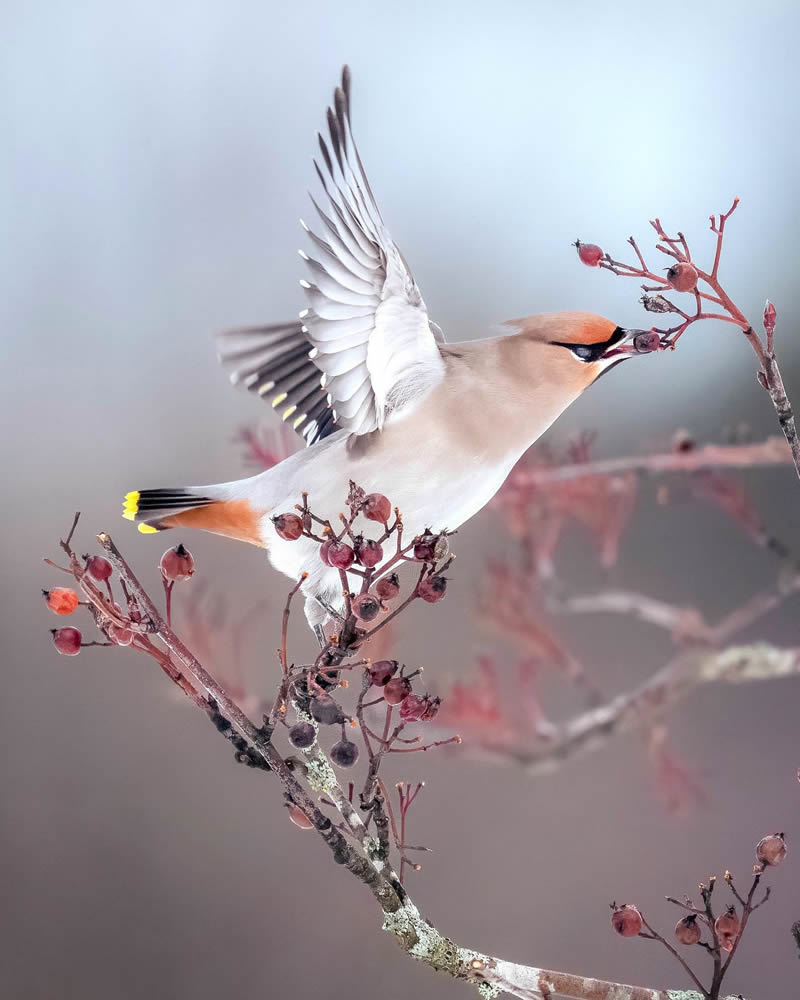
{"x":155,"y":160}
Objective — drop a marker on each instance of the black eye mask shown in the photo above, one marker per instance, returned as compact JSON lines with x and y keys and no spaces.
{"x":593,"y":352}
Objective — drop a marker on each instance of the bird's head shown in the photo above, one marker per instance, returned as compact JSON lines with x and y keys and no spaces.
{"x":572,"y":349}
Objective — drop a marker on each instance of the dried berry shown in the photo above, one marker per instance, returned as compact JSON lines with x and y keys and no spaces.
{"x":419,"y":709}
{"x":682,"y":276}
{"x":368,"y":552}
{"x":302,"y":735}
{"x":366,"y":607}
{"x":727,"y":927}
{"x":325,"y":710}
{"x":99,"y":569}
{"x":67,"y":641}
{"x":344,"y":753}
{"x":299,"y":818}
{"x":657,"y":304}
{"x":646,"y":343}
{"x":119,"y":635}
{"x":425,"y":547}
{"x":626,"y":920}
{"x":686,"y":930}
{"x":590,"y":254}
{"x":61,"y":600}
{"x":432,"y":588}
{"x":288,"y":526}
{"x":771,"y":850}
{"x":177,"y":564}
{"x":388,"y":588}
{"x":382,"y":671}
{"x":376,"y":507}
{"x":339,"y":554}
{"x":397,"y":690}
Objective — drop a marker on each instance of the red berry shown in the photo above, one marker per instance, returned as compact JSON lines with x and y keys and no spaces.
{"x":121,"y":636}
{"x":590,"y":254}
{"x":366,"y":607}
{"x":396,"y":690}
{"x":299,"y":818}
{"x":419,"y":709}
{"x":288,"y":526}
{"x":61,"y":600}
{"x":382,"y":671}
{"x":368,"y":552}
{"x":324,"y":549}
{"x":339,"y":555}
{"x":177,"y":564}
{"x":686,"y":930}
{"x":67,"y":641}
{"x":771,"y":850}
{"x":302,"y":735}
{"x":344,"y":753}
{"x":727,"y":927}
{"x":432,"y":588}
{"x":626,"y":920}
{"x":376,"y":507}
{"x":99,"y":569}
{"x":682,"y":276}
{"x":388,"y":588}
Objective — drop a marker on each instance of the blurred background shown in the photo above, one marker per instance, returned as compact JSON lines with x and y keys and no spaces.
{"x":156,"y":160}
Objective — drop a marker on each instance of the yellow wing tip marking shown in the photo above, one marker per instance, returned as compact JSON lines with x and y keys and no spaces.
{"x":288,"y":412}
{"x":279,"y":399}
{"x":148,"y":529}
{"x":298,"y":421}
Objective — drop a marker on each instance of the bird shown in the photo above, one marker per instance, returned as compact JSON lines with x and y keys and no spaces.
{"x":378,"y":395}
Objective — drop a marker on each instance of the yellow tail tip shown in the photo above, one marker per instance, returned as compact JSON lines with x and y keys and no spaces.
{"x":147,"y":529}
{"x":130,"y":505}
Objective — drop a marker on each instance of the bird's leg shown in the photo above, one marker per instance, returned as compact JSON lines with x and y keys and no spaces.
{"x":331,"y":610}
{"x":319,"y":632}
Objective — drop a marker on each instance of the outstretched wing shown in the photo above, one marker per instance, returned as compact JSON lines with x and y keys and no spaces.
{"x":366,"y":324}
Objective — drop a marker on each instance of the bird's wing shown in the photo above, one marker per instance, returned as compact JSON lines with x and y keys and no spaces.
{"x":373,"y":348}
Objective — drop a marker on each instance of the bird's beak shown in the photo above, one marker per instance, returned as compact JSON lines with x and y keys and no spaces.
{"x":632,"y":342}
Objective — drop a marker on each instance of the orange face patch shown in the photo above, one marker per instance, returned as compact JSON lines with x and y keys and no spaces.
{"x":231,"y":518}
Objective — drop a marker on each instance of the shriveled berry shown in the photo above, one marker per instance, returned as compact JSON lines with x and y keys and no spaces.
{"x":590,"y":254}
{"x":368,"y":552}
{"x":432,"y":588}
{"x":344,"y":753}
{"x":771,"y":850}
{"x":382,"y":671}
{"x":288,"y":526}
{"x":177,"y":564}
{"x":396,"y":690}
{"x":425,"y":547}
{"x":388,"y":588}
{"x":682,"y":276}
{"x":99,"y":569}
{"x":61,"y":600}
{"x":366,"y":607}
{"x":646,"y":343}
{"x":727,"y":927}
{"x":67,"y":641}
{"x":119,"y":635}
{"x":339,"y":555}
{"x":376,"y":507}
{"x":299,"y":818}
{"x":302,"y":735}
{"x":686,"y":930}
{"x":419,"y":709}
{"x":626,"y":920}
{"x":325,"y":710}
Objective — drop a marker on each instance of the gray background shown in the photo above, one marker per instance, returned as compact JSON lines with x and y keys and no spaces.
{"x":155,"y":161}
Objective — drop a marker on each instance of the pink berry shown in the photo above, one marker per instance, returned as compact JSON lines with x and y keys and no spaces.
{"x":686,"y":930}
{"x":121,"y":636}
{"x":368,"y":552}
{"x":288,"y":526}
{"x":299,"y":818}
{"x":396,"y":690}
{"x":376,"y":507}
{"x":366,"y":607}
{"x":590,"y":254}
{"x":99,"y":569}
{"x":432,"y":588}
{"x":682,"y":276}
{"x":177,"y":564}
{"x":626,"y":920}
{"x":324,"y":549}
{"x":771,"y":850}
{"x":344,"y":753}
{"x":67,"y":641}
{"x":727,"y":927}
{"x":382,"y":671}
{"x":388,"y":588}
{"x":419,"y":709}
{"x":61,"y":600}
{"x":340,"y":555}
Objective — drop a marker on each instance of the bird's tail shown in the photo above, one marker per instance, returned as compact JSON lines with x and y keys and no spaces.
{"x":158,"y":510}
